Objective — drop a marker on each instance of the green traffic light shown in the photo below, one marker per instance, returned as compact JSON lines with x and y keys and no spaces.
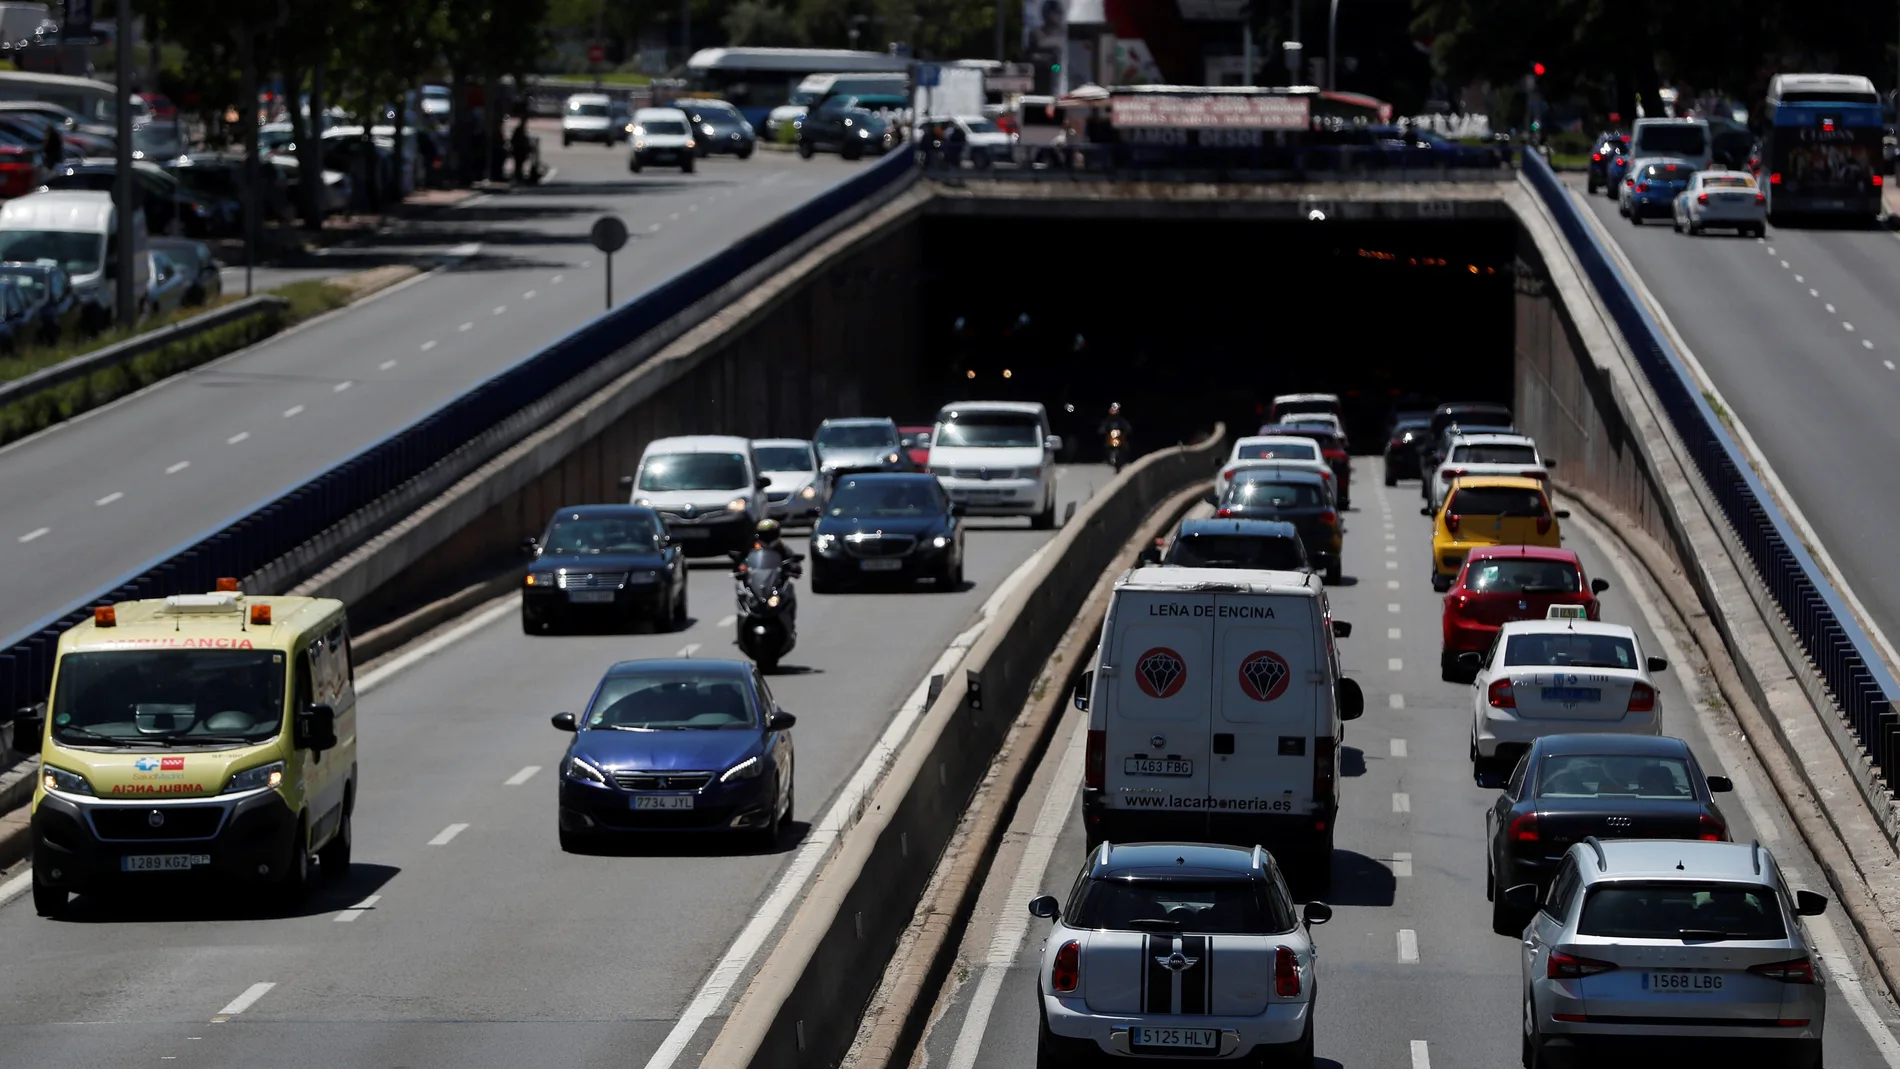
{"x":1056,"y":68}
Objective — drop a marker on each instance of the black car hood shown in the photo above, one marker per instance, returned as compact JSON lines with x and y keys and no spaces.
{"x":901,"y":525}
{"x":598,"y":562}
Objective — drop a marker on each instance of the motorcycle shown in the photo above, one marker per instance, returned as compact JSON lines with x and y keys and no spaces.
{"x":768,"y":604}
{"x":1115,"y":450}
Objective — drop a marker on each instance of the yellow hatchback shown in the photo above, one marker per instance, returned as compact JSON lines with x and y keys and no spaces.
{"x":1489,"y":510}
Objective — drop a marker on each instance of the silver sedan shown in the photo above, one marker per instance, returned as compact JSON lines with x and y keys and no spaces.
{"x":1722,"y":199}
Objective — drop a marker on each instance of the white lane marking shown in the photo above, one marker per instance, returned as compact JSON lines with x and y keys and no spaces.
{"x":675,"y":217}
{"x":469,"y":249}
{"x":1401,"y":802}
{"x":1814,"y":293}
{"x":1771,"y":250}
{"x":341,"y":386}
{"x":726,"y":621}
{"x":1889,"y":364}
{"x":654,"y":229}
{"x":688,"y":650}
{"x":528,"y":296}
{"x":500,"y":308}
{"x":350,"y":914}
{"x":1392,"y":633}
{"x":109,"y":498}
{"x":15,"y":887}
{"x":1421,"y":1055}
{"x":1866,"y":343}
{"x":387,"y":364}
{"x":1784,"y":265}
{"x":466,"y":326}
{"x":178,"y":467}
{"x":1399,"y":748}
{"x":1846,"y":326}
{"x":426,"y":346}
{"x":695,"y":207}
{"x":238,"y":437}
{"x":1392,"y":565}
{"x":1391,"y":584}
{"x":555,"y":281}
{"x":1396,"y":701}
{"x":1392,"y":606}
{"x":1395,"y":664}
{"x":37,"y":532}
{"x":443,"y":837}
{"x":823,"y":835}
{"x":1799,"y":278}
{"x":1391,"y":549}
{"x":587,"y":263}
{"x":375,"y":677}
{"x":1401,"y":864}
{"x":1408,"y":946}
{"x":245,"y":1001}
{"x":1014,"y":921}
{"x":292,"y":410}
{"x":521,"y":777}
{"x":1389,"y":536}
{"x":1829,"y":307}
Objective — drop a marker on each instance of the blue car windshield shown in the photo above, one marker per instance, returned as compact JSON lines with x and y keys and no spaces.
{"x":668,"y":700}
{"x":601,"y":534}
{"x":886,"y":499}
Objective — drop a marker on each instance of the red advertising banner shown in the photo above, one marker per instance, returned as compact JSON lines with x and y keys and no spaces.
{"x":1234,"y":112}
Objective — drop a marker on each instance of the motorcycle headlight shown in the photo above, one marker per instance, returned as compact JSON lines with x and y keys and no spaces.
{"x":737,"y":504}
{"x":940,"y":541}
{"x":252,"y":778}
{"x":581,"y":772}
{"x":808,"y":492}
{"x":750,"y":768}
{"x":54,"y":778}
{"x":772,"y":602}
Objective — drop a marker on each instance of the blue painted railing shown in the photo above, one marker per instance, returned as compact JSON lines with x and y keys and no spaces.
{"x":1842,"y":652}
{"x":256,"y":536}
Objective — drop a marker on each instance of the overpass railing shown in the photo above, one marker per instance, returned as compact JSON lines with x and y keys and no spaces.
{"x":1841,"y":651}
{"x":245,"y":542}
{"x":1192,"y":163}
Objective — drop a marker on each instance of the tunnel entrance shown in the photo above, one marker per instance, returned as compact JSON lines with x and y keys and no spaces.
{"x":1185,"y":322}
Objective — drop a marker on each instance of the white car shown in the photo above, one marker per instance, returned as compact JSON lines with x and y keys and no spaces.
{"x":1486,"y":454}
{"x":707,"y":489}
{"x":1722,"y":199}
{"x":790,"y":467}
{"x":1558,"y":677}
{"x":1290,"y":407}
{"x":1258,"y":450}
{"x":984,"y":141}
{"x":1177,"y":950}
{"x":592,"y":117}
{"x":662,"y":135}
{"x":997,"y":458}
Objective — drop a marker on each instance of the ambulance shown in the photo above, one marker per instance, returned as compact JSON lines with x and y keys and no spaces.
{"x":206,"y":737}
{"x":1215,"y":713}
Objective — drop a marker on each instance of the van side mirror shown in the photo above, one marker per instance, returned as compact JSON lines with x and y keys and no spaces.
{"x":1522,"y":898}
{"x":529,"y":546}
{"x":1083,"y":687}
{"x":1562,"y":514}
{"x":1053,"y":443}
{"x":1149,"y":556}
{"x":1598,"y":586}
{"x":1809,"y":904}
{"x":1550,"y":462}
{"x":1657,"y":664}
{"x":626,"y":482}
{"x":1342,"y":629}
{"x":1426,"y":511}
{"x":1352,"y":700}
{"x":564,"y":722}
{"x":1720,"y":785}
{"x":1211,"y":498}
{"x":1316,"y":913}
{"x":1045,"y":906}
{"x":316,"y":728}
{"x":29,"y":726}
{"x":761,"y":482}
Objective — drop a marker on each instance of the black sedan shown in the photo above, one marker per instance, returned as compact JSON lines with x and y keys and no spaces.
{"x":1293,"y":496}
{"x":718,"y":127}
{"x":605,"y":563}
{"x":896,"y":526}
{"x":1401,"y":449}
{"x":1608,"y":786}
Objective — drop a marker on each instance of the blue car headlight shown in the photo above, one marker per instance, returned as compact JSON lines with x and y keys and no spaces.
{"x":578,"y":771}
{"x":750,"y":768}
{"x":940,"y":541}
{"x":824,"y":543}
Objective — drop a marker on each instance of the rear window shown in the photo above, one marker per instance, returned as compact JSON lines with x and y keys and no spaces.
{"x":1279,"y":451}
{"x":1681,"y":909}
{"x":1237,"y":551}
{"x":1211,"y":907}
{"x":597,"y":111}
{"x":1278,"y":495}
{"x":1522,"y":576}
{"x":1684,"y":139}
{"x":1495,"y":454}
{"x":1728,"y":181}
{"x":1497,"y":501}
{"x":1564,"y":649}
{"x":783,"y":457}
{"x":1615,"y":776}
{"x":1667,"y":172}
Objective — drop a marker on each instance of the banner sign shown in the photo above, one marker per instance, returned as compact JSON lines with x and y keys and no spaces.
{"x":1202,"y":112}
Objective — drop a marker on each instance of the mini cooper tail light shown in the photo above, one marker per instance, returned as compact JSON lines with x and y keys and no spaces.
{"x":1286,"y":973}
{"x":1066,"y":975}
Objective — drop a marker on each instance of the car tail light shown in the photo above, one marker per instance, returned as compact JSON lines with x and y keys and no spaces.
{"x":1323,"y":769}
{"x":1451,"y":522}
{"x":1629,"y":181}
{"x":1095,"y":767}
{"x":1760,"y":200}
{"x":1461,"y":600}
{"x":1879,"y":180}
{"x":1774,"y":178}
{"x":1562,"y":966}
{"x":1596,"y":157}
{"x":1702,"y":198}
{"x":1066,"y":975}
{"x":1451,"y":473}
{"x":1286,"y":973}
{"x":1642,"y":187}
{"x":1224,"y":512}
{"x":1710,"y":830}
{"x":1500,"y":695}
{"x":1523,"y":829}
{"x":1228,"y":475}
{"x":1543,"y":524}
{"x":1793,"y":971}
{"x":1642,"y":698}
{"x":1329,"y":518}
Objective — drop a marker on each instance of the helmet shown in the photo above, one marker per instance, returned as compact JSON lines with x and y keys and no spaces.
{"x":768,"y":531}
{"x":1115,"y":409}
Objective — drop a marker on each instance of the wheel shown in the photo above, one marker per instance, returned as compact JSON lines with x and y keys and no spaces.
{"x":1504,"y":919}
{"x":956,"y":577}
{"x":47,"y":901}
{"x":295,"y":882}
{"x":1391,"y":479}
{"x":947,"y":577}
{"x":530,"y":623}
{"x":1448,"y":669}
{"x":1593,"y":186}
{"x":980,"y":159}
{"x":1636,"y":217}
{"x":1315,"y":864}
{"x":804,"y":150}
{"x":822,"y":583}
{"x":686,"y":165}
{"x":1695,"y":229}
{"x":333,"y":861}
{"x":745,"y":153}
{"x":573,"y":842}
{"x":633,"y":164}
{"x":1296,"y":1055}
{"x":1333,"y":574}
{"x":1676,"y":222}
{"x":566,"y":141}
{"x":1051,"y":1053}
{"x":1490,"y":881}
{"x":1440,"y":583}
{"x":1046,"y":519}
{"x":680,"y":615}
{"x":769,"y":835}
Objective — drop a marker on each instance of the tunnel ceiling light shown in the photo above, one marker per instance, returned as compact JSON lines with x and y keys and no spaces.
{"x":1316,"y":216}
{"x":969,"y":374}
{"x":1006,"y":373}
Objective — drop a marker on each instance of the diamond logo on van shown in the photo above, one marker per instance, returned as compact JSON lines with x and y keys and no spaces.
{"x":1264,"y":675}
{"x":1160,"y":673}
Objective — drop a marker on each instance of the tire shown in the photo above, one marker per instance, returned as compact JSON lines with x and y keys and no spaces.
{"x":530,"y":623}
{"x":686,"y":166}
{"x":822,"y":583}
{"x":1050,"y":1053}
{"x":1391,"y":479}
{"x":1044,"y":520}
{"x":47,"y":901}
{"x":768,"y":665}
{"x":1677,"y":223}
{"x":1592,"y":186}
{"x":956,"y":577}
{"x":633,"y":164}
{"x":1316,"y":868}
{"x":769,"y":835}
{"x":1504,"y":919}
{"x":1636,"y":217}
{"x":295,"y":882}
{"x":1695,"y":231}
{"x":566,"y":141}
{"x":1440,"y":583}
{"x":1295,"y":1055}
{"x":573,"y":842}
{"x":804,"y":150}
{"x":947,"y":578}
{"x":1333,"y":575}
{"x":745,"y":153}
{"x":680,"y":614}
{"x":850,"y":151}
{"x":1448,"y":669}
{"x":333,"y":861}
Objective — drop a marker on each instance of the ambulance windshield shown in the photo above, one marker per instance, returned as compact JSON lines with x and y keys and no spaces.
{"x":168,"y":697}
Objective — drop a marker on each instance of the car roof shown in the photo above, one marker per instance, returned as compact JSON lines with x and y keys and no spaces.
{"x":660,"y":113}
{"x":762,"y":443}
{"x":859,"y":421}
{"x":1253,"y":580}
{"x":1190,"y":860}
{"x":712,"y":666}
{"x":1524,"y":552}
{"x":699,"y":443}
{"x":1259,"y":528}
{"x":1493,"y":438}
{"x":1288,"y":398}
{"x":1269,"y":471}
{"x":77,"y":209}
{"x":1610,"y":744}
{"x":1498,"y":482}
{"x":1274,"y":439}
{"x":1027,"y":408}
{"x":1676,"y":859}
{"x":1579,"y":627}
{"x":587,"y":98}
{"x":1290,"y":429}
{"x":577,"y":511}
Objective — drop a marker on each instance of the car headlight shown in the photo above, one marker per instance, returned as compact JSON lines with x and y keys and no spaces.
{"x":643,"y":502}
{"x":706,"y":128}
{"x":750,"y":768}
{"x":862,"y":132}
{"x":808,"y":492}
{"x":737,"y":504}
{"x":824,"y":543}
{"x":892,"y":459}
{"x":252,"y":778}
{"x":690,"y":143}
{"x":638,"y":130}
{"x":940,"y":541}
{"x":54,"y":778}
{"x":581,"y":772}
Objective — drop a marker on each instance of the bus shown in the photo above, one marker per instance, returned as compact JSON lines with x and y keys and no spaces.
{"x":1820,"y":146}
{"x":756,"y":80}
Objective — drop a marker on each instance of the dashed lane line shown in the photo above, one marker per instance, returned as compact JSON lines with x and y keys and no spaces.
{"x":350,"y":914}
{"x":244,"y":1001}
{"x":521,"y":777}
{"x":448,"y":834}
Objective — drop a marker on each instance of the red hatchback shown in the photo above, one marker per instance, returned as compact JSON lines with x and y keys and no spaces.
{"x":915,"y":442}
{"x":1499,"y":584}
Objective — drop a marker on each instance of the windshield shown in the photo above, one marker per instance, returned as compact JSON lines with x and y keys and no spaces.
{"x":29,"y":282}
{"x":1494,"y":454}
{"x":1615,"y":776}
{"x":980,"y":126}
{"x":1729,"y":182}
{"x":597,"y":111}
{"x":694,"y":471}
{"x":663,"y":126}
{"x":857,"y":436}
{"x":217,"y":181}
{"x":999,"y":430}
{"x":886,"y":498}
{"x":783,"y":457}
{"x":1566,"y":649}
{"x":1261,"y":493}
{"x":1496,"y":501}
{"x":1681,"y":909}
{"x":1237,"y":551}
{"x":168,"y":697}
{"x":1217,"y":908}
{"x":1522,"y":576}
{"x":1684,"y":139}
{"x":1279,"y":451}
{"x":78,"y":252}
{"x":601,"y":534}
{"x":670,"y":701}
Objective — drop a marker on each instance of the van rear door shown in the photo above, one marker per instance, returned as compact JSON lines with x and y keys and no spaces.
{"x":1266,"y":698}
{"x":1157,"y":741}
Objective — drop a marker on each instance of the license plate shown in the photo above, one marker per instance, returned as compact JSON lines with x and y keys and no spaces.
{"x":663,"y":801}
{"x":590,"y":597}
{"x":163,"y":862}
{"x":1156,"y":766}
{"x":688,"y":532}
{"x":1573,"y":694}
{"x":1206,"y":1039}
{"x":881,"y":565}
{"x":980,"y":491}
{"x":1687,"y":983}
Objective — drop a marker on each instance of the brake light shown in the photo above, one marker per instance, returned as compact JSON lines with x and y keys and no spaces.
{"x":1329,"y":518}
{"x":1451,"y":473}
{"x":1334,"y":454}
{"x":1286,"y":973}
{"x":1228,"y":475}
{"x":1794,"y":971}
{"x":1500,"y":695}
{"x":1451,"y":522}
{"x":1596,"y":157}
{"x":1774,"y":178}
{"x":1543,"y":524}
{"x":1066,"y":974}
{"x":1702,"y":198}
{"x":1524,"y":829}
{"x":1562,"y":966}
{"x":1879,"y":180}
{"x":1224,"y":512}
{"x":1095,"y":764}
{"x":1323,"y":769}
{"x":1760,"y":200}
{"x":1642,"y":699}
{"x":1629,"y":181}
{"x":1642,"y":187}
{"x":1710,"y":830}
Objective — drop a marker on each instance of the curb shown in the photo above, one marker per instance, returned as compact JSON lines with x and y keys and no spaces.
{"x":399,"y":632}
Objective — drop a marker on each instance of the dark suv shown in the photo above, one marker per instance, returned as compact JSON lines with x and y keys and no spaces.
{"x":1610,"y":145}
{"x":840,"y":125}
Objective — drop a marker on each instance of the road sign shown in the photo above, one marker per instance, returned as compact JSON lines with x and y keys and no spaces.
{"x":929,"y":75}
{"x":609,"y":234}
{"x":596,"y":54}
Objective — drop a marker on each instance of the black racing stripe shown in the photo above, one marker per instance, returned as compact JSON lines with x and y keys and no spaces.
{"x":1195,"y":979}
{"x":1157,"y":983}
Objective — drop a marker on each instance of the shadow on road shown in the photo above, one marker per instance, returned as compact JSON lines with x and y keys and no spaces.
{"x":158,"y":902}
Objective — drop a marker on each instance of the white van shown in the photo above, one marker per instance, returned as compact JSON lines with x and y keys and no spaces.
{"x":706,"y":487}
{"x":77,"y":229}
{"x":1215,"y":710}
{"x":1676,"y":139}
{"x":997,"y":458}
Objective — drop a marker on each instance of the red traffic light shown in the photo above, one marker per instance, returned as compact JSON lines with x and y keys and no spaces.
{"x":1537,"y":69}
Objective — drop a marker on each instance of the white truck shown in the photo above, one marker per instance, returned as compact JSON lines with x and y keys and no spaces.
{"x":1215,"y":714}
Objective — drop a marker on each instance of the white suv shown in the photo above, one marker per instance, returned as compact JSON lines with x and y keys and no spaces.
{"x":662,"y":135}
{"x":997,"y":458}
{"x":593,"y":117}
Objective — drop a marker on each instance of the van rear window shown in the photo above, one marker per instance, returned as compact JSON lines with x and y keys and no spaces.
{"x":1685,"y":140}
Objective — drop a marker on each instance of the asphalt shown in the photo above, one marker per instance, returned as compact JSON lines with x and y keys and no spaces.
{"x":1800,"y":334}
{"x":494,"y":948}
{"x":1419,"y":870}
{"x":104,"y":495}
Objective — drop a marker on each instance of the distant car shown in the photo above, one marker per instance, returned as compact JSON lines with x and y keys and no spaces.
{"x":1255,"y":545}
{"x":1486,"y":454}
{"x":1489,"y":510}
{"x":1558,"y":677}
{"x":215,"y":184}
{"x":880,"y":527}
{"x":1288,"y":405}
{"x":200,"y":268}
{"x":1280,"y":451}
{"x":689,"y":746}
{"x":593,"y":117}
{"x":1610,"y":146}
{"x":1651,"y":187}
{"x":718,"y":127}
{"x":1295,"y":497}
{"x":59,"y":315}
{"x":915,"y":442}
{"x":1618,"y":170}
{"x":1499,"y":584}
{"x":794,"y":490}
{"x":1401,"y":450}
{"x":838,"y":125}
{"x":984,"y":142}
{"x":166,"y":292}
{"x":662,"y":135}
{"x":1722,"y":199}
{"x":1332,"y":447}
{"x":604,"y":563}
{"x":19,"y":319}
{"x":859,"y":444}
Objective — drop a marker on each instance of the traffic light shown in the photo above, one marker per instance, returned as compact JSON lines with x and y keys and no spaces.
{"x":1537,"y":69}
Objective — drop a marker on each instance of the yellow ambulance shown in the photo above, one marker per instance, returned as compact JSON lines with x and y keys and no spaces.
{"x":200,"y":736}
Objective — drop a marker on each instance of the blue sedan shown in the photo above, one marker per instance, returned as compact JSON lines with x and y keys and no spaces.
{"x":1651,"y":187}
{"x":676,"y":745}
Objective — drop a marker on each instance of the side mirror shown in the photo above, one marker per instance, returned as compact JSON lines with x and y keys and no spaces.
{"x":1083,"y":688}
{"x":626,"y":482}
{"x":761,"y":482}
{"x":529,"y":546}
{"x":1809,"y":904}
{"x":1720,"y":785}
{"x":564,"y":722}
{"x":1562,"y":514}
{"x":1598,"y":586}
{"x":1426,"y":511}
{"x":737,"y":556}
{"x":958,"y":508}
{"x":1211,"y":498}
{"x":1471,"y":662}
{"x":1352,"y":700}
{"x":780,"y":720}
{"x":1151,"y":555}
{"x":1522,"y":898}
{"x":1316,"y":913}
{"x":1053,"y":443}
{"x":1342,"y":629}
{"x":316,"y":728}
{"x":29,"y":725}
{"x":1045,"y":906}
{"x":1549,"y":462}
{"x":1657,"y":664}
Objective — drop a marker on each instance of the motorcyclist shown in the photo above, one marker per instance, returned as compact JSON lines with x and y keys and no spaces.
{"x":1115,"y":421}
{"x":767,"y":537}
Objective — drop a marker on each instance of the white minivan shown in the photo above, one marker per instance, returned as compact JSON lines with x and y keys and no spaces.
{"x":77,"y":229}
{"x":997,"y":458}
{"x":1675,"y":139}
{"x":1215,"y":713}
{"x":707,"y":489}
{"x":662,"y":135}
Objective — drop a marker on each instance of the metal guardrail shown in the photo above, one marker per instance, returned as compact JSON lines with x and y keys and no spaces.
{"x":124,"y":352}
{"x":266,"y":531}
{"x":1839,"y":648}
{"x":1142,"y":163}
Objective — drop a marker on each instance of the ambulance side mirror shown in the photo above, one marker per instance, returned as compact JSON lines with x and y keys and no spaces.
{"x":29,"y":724}
{"x":1352,"y":700}
{"x":1083,"y":687}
